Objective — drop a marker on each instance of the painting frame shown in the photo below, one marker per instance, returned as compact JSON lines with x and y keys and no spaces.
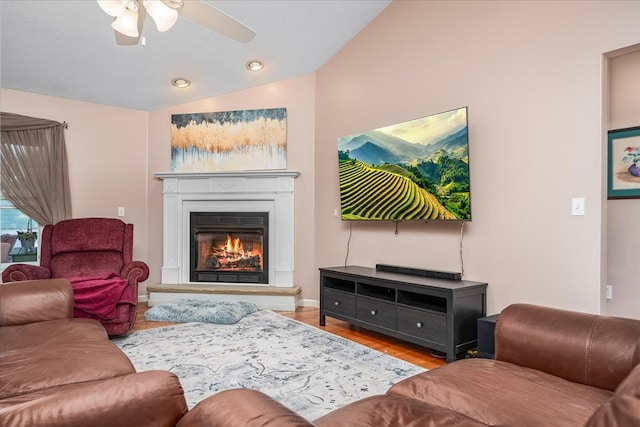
{"x":623,"y":163}
{"x":229,"y":141}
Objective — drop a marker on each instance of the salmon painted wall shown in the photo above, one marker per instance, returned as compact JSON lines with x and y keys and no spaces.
{"x":107,"y":156}
{"x":531,"y":75}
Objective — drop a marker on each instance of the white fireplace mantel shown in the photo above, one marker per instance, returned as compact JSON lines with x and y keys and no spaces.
{"x":251,"y":191}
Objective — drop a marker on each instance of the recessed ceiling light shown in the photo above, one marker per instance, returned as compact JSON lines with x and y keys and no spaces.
{"x":255,"y":65}
{"x":181,"y":82}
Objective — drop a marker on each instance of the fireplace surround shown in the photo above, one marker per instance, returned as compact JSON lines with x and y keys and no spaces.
{"x":266,"y":193}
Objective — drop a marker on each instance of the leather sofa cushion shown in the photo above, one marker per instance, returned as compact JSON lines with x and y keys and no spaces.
{"x":241,"y":407}
{"x":623,"y":408}
{"x":500,"y":393}
{"x":144,"y":399}
{"x":37,"y":356}
{"x":393,"y":411}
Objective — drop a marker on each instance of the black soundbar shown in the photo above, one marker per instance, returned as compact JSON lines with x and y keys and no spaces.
{"x":448,"y":275}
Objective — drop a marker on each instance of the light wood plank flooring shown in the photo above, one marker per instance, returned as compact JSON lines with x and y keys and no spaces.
{"x":309,"y":315}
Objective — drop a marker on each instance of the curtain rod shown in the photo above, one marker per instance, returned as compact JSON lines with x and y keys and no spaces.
{"x":12,"y":122}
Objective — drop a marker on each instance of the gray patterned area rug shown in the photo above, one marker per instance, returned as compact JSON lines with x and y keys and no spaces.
{"x":308,"y":370}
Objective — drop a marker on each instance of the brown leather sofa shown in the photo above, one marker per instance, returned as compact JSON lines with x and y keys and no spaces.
{"x":552,"y":368}
{"x":59,"y":371}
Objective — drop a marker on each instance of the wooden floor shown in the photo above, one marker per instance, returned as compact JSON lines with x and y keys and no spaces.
{"x":401,"y":349}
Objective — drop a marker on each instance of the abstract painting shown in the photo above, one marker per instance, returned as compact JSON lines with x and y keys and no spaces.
{"x":229,"y":141}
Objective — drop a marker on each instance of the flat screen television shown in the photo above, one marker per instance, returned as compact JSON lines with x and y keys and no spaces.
{"x":412,"y":171}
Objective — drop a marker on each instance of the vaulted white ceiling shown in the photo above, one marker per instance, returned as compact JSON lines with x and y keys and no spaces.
{"x":67,"y":49}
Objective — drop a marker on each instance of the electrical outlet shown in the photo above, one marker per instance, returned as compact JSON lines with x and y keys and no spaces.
{"x":608,"y":292}
{"x":120,"y":211}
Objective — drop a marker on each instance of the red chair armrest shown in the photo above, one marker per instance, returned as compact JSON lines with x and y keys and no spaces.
{"x":22,"y":272}
{"x":135,"y":272}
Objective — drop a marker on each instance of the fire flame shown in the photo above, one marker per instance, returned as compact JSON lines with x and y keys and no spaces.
{"x":234,"y":246}
{"x":230,"y":253}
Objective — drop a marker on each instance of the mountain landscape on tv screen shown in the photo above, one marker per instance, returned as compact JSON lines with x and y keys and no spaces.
{"x":421,"y":176}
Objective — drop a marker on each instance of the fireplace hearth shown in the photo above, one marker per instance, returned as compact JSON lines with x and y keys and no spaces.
{"x":229,"y":247}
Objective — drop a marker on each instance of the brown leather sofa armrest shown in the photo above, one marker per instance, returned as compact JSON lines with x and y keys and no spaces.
{"x":590,"y":349}
{"x":35,"y":301}
{"x":144,"y":399}
{"x":241,"y":408}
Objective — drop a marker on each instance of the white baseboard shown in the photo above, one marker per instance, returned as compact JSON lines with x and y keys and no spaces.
{"x":309,"y":303}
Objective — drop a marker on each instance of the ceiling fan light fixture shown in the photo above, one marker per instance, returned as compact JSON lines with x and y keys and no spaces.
{"x":255,"y":65}
{"x":163,"y":15}
{"x":173,"y":4}
{"x":130,"y":15}
{"x":181,"y":82}
{"x":127,"y":23}
{"x":113,"y":7}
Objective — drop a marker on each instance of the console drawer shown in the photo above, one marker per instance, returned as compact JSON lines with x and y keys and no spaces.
{"x":339,"y":303}
{"x":423,"y":324}
{"x":376,"y":312}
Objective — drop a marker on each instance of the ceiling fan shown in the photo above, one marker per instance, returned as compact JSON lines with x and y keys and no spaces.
{"x":129,"y":18}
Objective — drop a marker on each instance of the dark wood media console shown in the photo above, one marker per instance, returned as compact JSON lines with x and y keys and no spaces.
{"x":436,"y":313}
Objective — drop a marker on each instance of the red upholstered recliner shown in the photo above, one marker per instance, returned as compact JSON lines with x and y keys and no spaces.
{"x":89,"y":247}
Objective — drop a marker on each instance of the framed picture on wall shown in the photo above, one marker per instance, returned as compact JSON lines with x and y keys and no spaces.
{"x":229,"y":141}
{"x":623,"y":171}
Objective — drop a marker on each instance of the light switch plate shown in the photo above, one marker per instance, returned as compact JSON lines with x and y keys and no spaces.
{"x":577,"y":206}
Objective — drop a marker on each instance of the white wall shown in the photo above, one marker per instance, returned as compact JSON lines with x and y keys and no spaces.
{"x":530,"y":73}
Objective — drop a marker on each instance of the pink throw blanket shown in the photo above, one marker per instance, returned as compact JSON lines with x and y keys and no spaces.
{"x":96,"y":297}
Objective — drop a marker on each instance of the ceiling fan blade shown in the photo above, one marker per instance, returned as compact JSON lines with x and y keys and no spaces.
{"x":124,"y":40}
{"x":216,"y":20}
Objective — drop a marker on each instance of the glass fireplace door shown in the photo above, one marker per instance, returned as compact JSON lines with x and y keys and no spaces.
{"x":229,"y":247}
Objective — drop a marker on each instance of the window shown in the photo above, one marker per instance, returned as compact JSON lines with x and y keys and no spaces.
{"x":13,"y":221}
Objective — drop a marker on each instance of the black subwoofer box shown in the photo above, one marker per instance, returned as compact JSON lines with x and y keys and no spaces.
{"x":486,"y":336}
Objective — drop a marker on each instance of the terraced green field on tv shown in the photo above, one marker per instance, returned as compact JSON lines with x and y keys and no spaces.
{"x":370,"y":193}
